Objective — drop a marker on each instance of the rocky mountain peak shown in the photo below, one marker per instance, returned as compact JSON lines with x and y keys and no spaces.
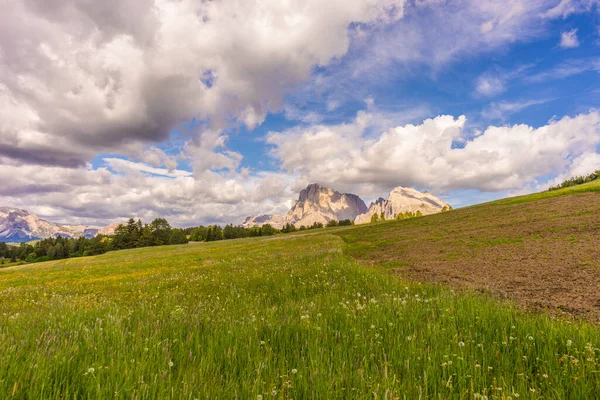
{"x":17,"y":225}
{"x":403,"y":200}
{"x":276,"y":221}
{"x":320,"y":204}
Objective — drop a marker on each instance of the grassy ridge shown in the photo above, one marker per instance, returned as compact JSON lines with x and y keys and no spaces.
{"x":277,"y":318}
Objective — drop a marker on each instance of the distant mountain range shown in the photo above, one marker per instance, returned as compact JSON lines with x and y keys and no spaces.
{"x":321,"y":204}
{"x":315,"y":203}
{"x":18,"y":226}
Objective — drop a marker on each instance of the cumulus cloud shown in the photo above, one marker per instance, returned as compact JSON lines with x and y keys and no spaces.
{"x":123,"y":189}
{"x":81,"y":78}
{"x":426,"y":155}
{"x":78,"y":78}
{"x":568,"y":40}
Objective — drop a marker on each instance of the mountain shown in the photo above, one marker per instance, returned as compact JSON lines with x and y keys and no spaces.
{"x":276,"y":221}
{"x":402,"y":200}
{"x":320,"y":204}
{"x":22,"y":226}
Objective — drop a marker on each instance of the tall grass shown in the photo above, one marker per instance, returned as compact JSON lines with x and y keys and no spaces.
{"x":272,"y":318}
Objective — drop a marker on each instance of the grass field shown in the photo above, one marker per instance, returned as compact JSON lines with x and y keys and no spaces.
{"x":317,"y":315}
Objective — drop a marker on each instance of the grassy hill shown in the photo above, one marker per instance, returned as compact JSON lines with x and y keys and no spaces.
{"x":319,"y":315}
{"x":542,"y":250}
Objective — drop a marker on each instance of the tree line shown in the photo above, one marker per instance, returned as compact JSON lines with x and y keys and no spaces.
{"x":577,"y":180}
{"x":131,"y":235}
{"x":135,"y":234}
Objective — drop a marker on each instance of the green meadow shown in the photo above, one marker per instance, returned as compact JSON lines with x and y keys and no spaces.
{"x":288,"y":317}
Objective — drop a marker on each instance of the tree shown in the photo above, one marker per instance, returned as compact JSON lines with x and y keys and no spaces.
{"x":345,"y":222}
{"x":51,"y":252}
{"x":375,"y":218}
{"x":382,"y":216}
{"x":332,"y":223}
{"x":268,"y":230}
{"x":198,"y":234}
{"x":59,"y":251}
{"x":229,"y":232}
{"x":146,"y":238}
{"x":288,"y":228}
{"x":178,"y":237}
{"x":161,"y":230}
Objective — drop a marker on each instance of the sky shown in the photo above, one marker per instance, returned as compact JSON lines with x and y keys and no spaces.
{"x":206,"y":112}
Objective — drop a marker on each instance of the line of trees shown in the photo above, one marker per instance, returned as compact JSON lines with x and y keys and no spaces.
{"x":215,"y":232}
{"x":131,"y":235}
{"x":577,"y":180}
{"x":406,"y":215}
{"x":135,"y":234}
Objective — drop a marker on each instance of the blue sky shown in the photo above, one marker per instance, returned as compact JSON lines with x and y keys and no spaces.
{"x":473,"y":100}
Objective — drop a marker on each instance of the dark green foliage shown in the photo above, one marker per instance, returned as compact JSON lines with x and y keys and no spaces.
{"x":332,"y":223}
{"x":268,"y":230}
{"x":131,"y":235}
{"x":374,"y":218}
{"x":214,"y":233}
{"x":161,"y":230}
{"x":346,"y":222}
{"x":178,"y":236}
{"x":577,"y":180}
{"x":288,"y":228}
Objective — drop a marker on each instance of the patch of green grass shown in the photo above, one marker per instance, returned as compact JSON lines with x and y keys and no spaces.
{"x":290,"y":317}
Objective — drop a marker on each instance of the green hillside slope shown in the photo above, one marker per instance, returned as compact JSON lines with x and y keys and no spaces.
{"x":542,"y":250}
{"x":308,"y":316}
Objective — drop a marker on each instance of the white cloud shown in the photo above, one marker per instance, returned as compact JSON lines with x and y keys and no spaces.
{"x":127,"y":189}
{"x":566,"y":69}
{"x":499,"y":158}
{"x":568,"y":40}
{"x":131,"y":168}
{"x":78,"y":78}
{"x":568,"y":7}
{"x":489,"y":85}
{"x":495,"y":81}
{"x":501,"y":110}
{"x":463,"y":29}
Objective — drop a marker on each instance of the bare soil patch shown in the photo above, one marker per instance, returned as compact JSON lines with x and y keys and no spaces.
{"x":545,"y":255}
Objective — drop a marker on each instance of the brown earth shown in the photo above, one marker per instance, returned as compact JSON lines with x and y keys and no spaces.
{"x":545,"y":254}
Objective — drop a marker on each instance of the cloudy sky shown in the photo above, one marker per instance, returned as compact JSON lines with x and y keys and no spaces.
{"x":208,"y":111}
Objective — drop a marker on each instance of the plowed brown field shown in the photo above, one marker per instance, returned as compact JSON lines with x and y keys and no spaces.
{"x":543,"y":254}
